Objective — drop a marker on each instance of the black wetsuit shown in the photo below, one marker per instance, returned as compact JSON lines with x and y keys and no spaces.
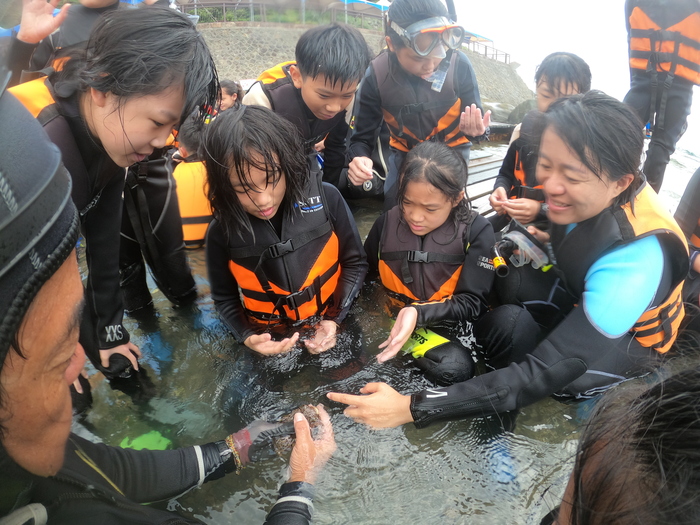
{"x":97,"y":193}
{"x":106,"y":485}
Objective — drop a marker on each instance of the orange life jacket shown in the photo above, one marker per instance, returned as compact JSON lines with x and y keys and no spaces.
{"x":666,"y":39}
{"x":520,"y":190}
{"x":195,"y":209}
{"x":35,"y":95}
{"x":291,"y":276}
{"x":576,"y":251}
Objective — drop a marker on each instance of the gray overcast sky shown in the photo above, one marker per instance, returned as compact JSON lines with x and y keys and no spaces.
{"x":531,"y":29}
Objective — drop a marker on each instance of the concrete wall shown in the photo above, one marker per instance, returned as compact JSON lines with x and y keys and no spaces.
{"x":243,"y":50}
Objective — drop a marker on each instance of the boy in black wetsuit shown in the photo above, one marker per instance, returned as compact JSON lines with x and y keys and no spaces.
{"x":313,"y":91}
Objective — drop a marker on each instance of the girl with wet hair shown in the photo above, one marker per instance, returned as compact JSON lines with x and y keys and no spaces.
{"x":286,"y":241}
{"x":636,"y":459}
{"x":431,"y":253}
{"x":107,"y":107}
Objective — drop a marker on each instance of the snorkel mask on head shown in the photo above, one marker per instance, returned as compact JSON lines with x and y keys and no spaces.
{"x":425,"y":35}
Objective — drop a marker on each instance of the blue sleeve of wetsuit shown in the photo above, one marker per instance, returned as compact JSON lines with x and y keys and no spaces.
{"x":631,"y":275}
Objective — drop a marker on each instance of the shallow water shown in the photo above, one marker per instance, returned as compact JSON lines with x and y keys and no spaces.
{"x":202,"y":385}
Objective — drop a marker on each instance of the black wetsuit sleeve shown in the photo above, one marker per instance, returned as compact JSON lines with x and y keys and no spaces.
{"x":146,"y":476}
{"x":334,"y":153}
{"x":294,"y":505}
{"x":561,"y":358}
{"x":101,"y":228}
{"x":468,"y":301}
{"x":224,"y":287}
{"x":353,"y":264}
{"x":374,"y":237}
{"x":142,"y":476}
{"x":18,"y":57}
{"x":42,"y":55}
{"x":368,"y":117}
{"x":506,"y":175}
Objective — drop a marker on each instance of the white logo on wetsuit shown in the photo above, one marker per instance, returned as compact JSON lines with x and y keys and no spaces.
{"x":114,"y":333}
{"x":484,"y":262}
{"x":311,"y":204}
{"x":435,"y":393}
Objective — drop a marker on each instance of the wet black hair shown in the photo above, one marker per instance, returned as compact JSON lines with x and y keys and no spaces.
{"x":407,"y":12}
{"x":638,"y":459}
{"x":336,"y":51}
{"x":604,"y":133}
{"x":231,"y":87}
{"x":251,"y":136}
{"x":441,"y":166}
{"x":190,"y":134}
{"x":137,"y":52}
{"x":564,"y":68}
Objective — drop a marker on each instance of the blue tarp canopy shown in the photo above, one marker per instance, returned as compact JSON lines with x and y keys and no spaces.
{"x":382,"y":5}
{"x":473,"y":37}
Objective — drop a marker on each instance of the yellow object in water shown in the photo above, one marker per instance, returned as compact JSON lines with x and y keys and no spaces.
{"x":422,"y":340}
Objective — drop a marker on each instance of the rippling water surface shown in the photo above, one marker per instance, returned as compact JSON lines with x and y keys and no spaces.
{"x":201,"y":385}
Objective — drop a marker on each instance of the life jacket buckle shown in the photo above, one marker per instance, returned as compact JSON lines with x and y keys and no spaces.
{"x":280,"y":249}
{"x":417,"y":256}
{"x":295,"y":300}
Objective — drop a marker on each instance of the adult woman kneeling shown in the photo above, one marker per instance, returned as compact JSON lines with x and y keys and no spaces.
{"x":606,"y":311}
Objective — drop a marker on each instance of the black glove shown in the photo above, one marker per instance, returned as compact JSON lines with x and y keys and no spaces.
{"x":447,"y":364}
{"x":256,"y":441}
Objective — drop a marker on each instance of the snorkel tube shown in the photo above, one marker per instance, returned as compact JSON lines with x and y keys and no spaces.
{"x":518,"y":247}
{"x":451,"y":10}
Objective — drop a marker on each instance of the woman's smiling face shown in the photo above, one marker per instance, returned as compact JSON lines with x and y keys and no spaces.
{"x":574,"y":193}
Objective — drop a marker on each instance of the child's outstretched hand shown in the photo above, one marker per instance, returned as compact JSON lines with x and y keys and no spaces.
{"x":263,"y":343}
{"x":404,"y":325}
{"x":471,"y":123}
{"x":324,"y":339}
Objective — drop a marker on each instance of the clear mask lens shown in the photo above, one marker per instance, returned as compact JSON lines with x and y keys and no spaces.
{"x":453,"y":37}
{"x":424,"y":43}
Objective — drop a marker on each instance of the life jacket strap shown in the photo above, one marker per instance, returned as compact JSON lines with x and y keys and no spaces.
{"x":281,"y":248}
{"x":418,"y":256}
